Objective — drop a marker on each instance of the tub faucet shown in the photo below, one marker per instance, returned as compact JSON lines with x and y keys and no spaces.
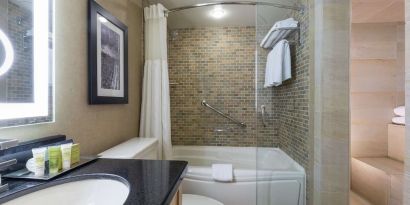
{"x":4,"y":165}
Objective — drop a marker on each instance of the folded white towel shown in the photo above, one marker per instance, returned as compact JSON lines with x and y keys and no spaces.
{"x":400,"y":111}
{"x":274,"y":35}
{"x":399,"y":120}
{"x":222,"y":172}
{"x":278,"y":65}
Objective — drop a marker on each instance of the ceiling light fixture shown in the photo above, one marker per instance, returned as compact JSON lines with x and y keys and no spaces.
{"x":9,"y":53}
{"x":218,"y":12}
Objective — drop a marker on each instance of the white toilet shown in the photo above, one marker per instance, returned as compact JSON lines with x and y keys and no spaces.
{"x":147,"y":148}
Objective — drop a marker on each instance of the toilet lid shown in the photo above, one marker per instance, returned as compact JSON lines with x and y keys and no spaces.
{"x":191,"y":199}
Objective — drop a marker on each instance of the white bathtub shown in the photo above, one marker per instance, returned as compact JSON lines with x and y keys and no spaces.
{"x":262,"y":176}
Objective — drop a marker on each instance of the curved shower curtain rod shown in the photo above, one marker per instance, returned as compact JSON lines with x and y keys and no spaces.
{"x":251,"y":3}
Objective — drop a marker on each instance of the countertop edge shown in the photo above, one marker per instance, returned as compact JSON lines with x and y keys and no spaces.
{"x":176,"y":186}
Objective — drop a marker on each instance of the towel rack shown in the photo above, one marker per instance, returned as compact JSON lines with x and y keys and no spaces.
{"x":203,"y":103}
{"x":293,"y":30}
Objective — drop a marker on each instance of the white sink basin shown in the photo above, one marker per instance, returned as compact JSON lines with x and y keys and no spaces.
{"x":103,"y":191}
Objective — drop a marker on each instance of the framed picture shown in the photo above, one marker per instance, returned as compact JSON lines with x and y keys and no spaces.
{"x":107,"y":57}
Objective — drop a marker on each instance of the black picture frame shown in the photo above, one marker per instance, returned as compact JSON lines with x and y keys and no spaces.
{"x":108,"y":63}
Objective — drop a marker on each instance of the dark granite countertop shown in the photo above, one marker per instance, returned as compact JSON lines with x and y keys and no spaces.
{"x":152,"y":182}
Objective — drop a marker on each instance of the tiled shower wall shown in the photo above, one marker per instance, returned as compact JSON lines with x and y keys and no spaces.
{"x":291,"y":100}
{"x":216,"y":64}
{"x":288,"y":105}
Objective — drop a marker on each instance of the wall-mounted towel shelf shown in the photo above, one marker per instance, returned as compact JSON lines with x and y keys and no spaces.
{"x":288,"y":31}
{"x":282,"y":30}
{"x":294,"y":30}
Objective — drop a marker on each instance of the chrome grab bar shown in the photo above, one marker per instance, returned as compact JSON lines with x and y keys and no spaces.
{"x":203,"y":103}
{"x":263,"y":107}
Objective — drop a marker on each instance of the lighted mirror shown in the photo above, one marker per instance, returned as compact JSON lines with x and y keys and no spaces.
{"x":26,"y":62}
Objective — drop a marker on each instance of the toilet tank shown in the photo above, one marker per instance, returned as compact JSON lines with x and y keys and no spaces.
{"x":135,"y":148}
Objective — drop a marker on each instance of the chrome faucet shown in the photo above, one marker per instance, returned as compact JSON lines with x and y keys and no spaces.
{"x":4,"y":165}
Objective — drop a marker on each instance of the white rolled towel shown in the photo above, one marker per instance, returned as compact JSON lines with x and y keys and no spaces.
{"x":222,"y":172}
{"x":399,"y":120}
{"x":400,"y":111}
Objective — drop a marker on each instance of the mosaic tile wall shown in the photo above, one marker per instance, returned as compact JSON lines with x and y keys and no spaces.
{"x":292,"y":101}
{"x":291,"y":105}
{"x":287,"y":106}
{"x":216,"y":64}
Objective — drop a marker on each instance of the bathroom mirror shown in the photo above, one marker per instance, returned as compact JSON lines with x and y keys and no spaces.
{"x":26,"y":62}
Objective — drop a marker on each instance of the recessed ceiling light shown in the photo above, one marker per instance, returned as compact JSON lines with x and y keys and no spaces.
{"x":218,"y":12}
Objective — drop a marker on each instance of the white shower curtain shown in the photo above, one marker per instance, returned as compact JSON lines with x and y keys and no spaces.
{"x":155,"y":108}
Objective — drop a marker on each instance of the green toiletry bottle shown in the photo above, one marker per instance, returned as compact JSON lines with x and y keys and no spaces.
{"x":75,"y":153}
{"x":54,"y":155}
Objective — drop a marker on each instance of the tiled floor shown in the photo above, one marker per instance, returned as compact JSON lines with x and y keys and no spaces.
{"x":355,"y":199}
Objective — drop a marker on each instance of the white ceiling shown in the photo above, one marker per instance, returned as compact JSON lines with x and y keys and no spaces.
{"x":236,"y":15}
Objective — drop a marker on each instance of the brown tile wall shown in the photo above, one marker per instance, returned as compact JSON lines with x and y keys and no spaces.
{"x":288,"y":104}
{"x":216,"y":64}
{"x":291,"y":101}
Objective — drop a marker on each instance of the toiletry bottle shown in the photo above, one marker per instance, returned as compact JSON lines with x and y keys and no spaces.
{"x":39,"y":155}
{"x":53,"y":159}
{"x":66,"y":155}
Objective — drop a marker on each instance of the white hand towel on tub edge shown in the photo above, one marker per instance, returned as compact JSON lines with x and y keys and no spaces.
{"x":222,"y":172}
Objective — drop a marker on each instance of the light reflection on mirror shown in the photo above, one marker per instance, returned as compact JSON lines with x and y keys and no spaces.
{"x":7,"y":57}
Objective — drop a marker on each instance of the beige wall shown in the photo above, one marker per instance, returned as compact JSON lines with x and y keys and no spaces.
{"x":331,"y":101}
{"x":95,"y":127}
{"x":406,"y":194}
{"x":377,"y":84}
